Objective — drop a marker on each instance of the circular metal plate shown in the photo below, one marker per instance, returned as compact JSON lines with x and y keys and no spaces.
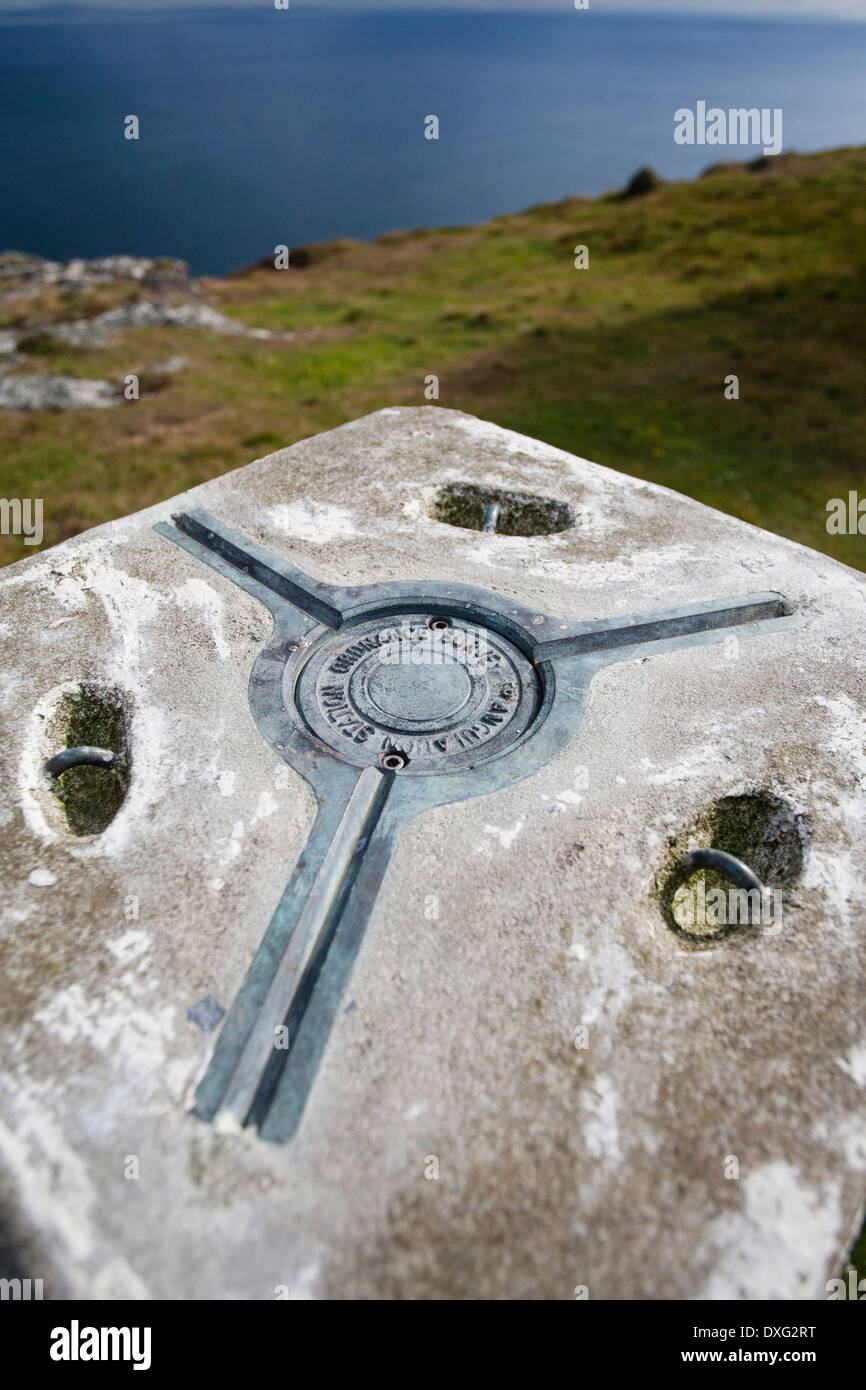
{"x":441,"y":692}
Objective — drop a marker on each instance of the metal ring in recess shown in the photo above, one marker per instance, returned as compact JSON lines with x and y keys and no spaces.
{"x":393,"y":761}
{"x":79,"y":757}
{"x":724,"y":863}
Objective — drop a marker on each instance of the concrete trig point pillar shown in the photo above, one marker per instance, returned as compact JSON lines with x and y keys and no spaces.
{"x":408,"y":793}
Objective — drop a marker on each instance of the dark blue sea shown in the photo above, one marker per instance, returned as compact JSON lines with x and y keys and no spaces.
{"x":261,"y":127}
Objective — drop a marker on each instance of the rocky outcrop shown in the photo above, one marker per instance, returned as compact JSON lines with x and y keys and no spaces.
{"x":646,"y":180}
{"x":9,"y":355}
{"x":164,"y":272}
{"x":26,"y":277}
{"x":38,"y":392}
{"x":93,"y":333}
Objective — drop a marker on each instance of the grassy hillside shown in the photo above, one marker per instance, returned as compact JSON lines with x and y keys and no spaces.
{"x":756,"y":271}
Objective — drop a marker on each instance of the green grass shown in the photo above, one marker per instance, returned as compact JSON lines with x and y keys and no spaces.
{"x":756,"y":272}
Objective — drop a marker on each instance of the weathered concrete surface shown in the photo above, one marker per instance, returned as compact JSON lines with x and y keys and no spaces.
{"x":558,"y":1166}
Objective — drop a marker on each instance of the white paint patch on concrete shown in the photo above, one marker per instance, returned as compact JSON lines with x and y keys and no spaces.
{"x":42,"y":878}
{"x":839,"y":879}
{"x":855,"y":1064}
{"x":775,"y":1245}
{"x":17,"y":916}
{"x":226,"y":782}
{"x":605,"y":987}
{"x":133,"y":1040}
{"x":264,"y":807}
{"x":317,"y":522}
{"x":215,"y":776}
{"x":569,"y":798}
{"x":232,"y":847}
{"x":131,"y":606}
{"x":851,"y":1134}
{"x":179,"y":1077}
{"x":130,"y":946}
{"x":197,"y":593}
{"x":9,"y":685}
{"x":845,"y":738}
{"x":600,"y":1127}
{"x":506,"y":837}
{"x":700,"y":762}
{"x":487,"y":552}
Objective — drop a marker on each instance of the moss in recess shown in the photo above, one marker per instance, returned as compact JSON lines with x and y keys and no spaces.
{"x":95,"y":715}
{"x":463,"y":504}
{"x":757,"y":827}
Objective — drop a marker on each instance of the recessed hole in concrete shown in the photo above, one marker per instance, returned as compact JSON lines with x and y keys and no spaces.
{"x":520,"y":514}
{"x":761,"y":829}
{"x":94,"y":714}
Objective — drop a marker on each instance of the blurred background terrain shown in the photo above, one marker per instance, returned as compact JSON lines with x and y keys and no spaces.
{"x":755,"y":269}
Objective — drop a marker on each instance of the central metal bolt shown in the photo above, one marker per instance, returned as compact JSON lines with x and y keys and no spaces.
{"x":438,"y":624}
{"x":393,"y":761}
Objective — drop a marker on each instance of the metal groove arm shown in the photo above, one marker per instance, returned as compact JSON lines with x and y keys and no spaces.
{"x":243,"y":557}
{"x":247,"y":1079}
{"x":667,"y":625}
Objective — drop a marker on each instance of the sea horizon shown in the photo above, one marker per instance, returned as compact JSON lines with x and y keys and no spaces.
{"x":263,"y":128}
